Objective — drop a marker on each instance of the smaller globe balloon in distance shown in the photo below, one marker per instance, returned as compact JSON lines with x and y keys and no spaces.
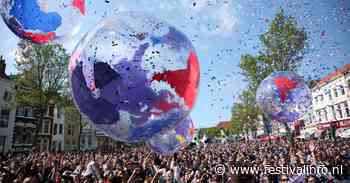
{"x":173,"y":140}
{"x":43,"y":21}
{"x":134,"y":75}
{"x":284,"y":96}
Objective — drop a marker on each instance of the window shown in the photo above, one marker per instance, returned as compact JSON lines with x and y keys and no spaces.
{"x":315,"y":99}
{"x":24,"y":111}
{"x":321,"y":97}
{"x":70,"y":129}
{"x":45,"y":145}
{"x":2,"y":143}
{"x":347,"y":110}
{"x":7,"y":96}
{"x":326,"y":114}
{"x":319,"y":116}
{"x":61,"y":129}
{"x":59,"y":112}
{"x":329,"y":95}
{"x":54,"y":129}
{"x":60,"y":146}
{"x":19,"y":111}
{"x":335,"y":92}
{"x":342,"y":90}
{"x":51,"y":110}
{"x":53,"y":145}
{"x":28,"y":112}
{"x":46,"y":127}
{"x":89,"y":140}
{"x":349,"y":84}
{"x":83,"y":141}
{"x":340,"y":112}
{"x":333,"y":111}
{"x":4,"y":117}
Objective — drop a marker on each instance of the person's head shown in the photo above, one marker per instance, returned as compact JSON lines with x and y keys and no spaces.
{"x":31,"y":179}
{"x":284,"y":179}
{"x":169,"y":176}
{"x":264,"y":179}
{"x":311,"y":179}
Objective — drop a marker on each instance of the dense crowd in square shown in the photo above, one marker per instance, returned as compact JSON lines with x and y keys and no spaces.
{"x":195,"y":164}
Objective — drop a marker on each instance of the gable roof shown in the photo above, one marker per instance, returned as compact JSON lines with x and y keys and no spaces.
{"x":333,"y":75}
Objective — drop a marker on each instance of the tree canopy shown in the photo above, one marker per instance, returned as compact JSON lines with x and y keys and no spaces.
{"x":283,"y":48}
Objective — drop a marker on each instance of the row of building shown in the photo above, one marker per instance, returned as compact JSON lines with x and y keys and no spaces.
{"x":330,"y":105}
{"x":330,"y":110}
{"x":56,"y":132}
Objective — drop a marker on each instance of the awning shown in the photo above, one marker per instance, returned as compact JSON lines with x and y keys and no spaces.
{"x":345,"y":133}
{"x":307,"y":133}
{"x":319,"y":132}
{"x":266,"y":138}
{"x":339,"y":131}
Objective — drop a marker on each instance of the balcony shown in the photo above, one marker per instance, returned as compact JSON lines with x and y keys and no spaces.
{"x":25,"y":117}
{"x":25,"y":125}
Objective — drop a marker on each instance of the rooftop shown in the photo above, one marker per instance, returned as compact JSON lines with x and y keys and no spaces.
{"x":333,"y":75}
{"x":224,"y":124}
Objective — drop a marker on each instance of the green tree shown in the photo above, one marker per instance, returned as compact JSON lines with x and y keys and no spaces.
{"x":283,"y":50}
{"x":42,"y":77}
{"x":245,"y":114}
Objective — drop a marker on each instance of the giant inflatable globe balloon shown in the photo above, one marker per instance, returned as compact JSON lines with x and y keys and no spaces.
{"x":43,"y":21}
{"x":173,"y":140}
{"x":284,"y":96}
{"x":134,"y":76}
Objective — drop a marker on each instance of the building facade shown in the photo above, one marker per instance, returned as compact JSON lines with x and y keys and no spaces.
{"x":330,"y":102}
{"x":106,"y":143}
{"x":24,"y":131}
{"x":58,"y":129}
{"x":88,"y":140}
{"x":44,"y":139}
{"x":7,"y":111}
{"x":71,"y":129}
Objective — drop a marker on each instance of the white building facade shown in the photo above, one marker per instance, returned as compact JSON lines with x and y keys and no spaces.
{"x":88,"y":140}
{"x":331,"y":102}
{"x":7,"y":111}
{"x":58,"y":129}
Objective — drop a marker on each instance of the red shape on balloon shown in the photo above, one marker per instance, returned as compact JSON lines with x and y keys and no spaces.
{"x":184,"y":81}
{"x":284,"y":85}
{"x":164,"y":107}
{"x":80,"y":4}
{"x":39,"y":38}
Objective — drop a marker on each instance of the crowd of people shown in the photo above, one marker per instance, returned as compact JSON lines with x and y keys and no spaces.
{"x":195,"y":164}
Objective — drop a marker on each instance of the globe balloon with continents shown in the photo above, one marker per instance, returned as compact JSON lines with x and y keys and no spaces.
{"x":173,"y":140}
{"x":43,"y":21}
{"x":284,"y":96}
{"x":134,"y":76}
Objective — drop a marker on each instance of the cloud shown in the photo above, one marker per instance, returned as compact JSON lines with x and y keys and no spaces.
{"x":215,"y":17}
{"x":226,"y":20}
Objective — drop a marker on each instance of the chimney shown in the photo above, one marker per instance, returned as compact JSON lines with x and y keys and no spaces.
{"x":2,"y":65}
